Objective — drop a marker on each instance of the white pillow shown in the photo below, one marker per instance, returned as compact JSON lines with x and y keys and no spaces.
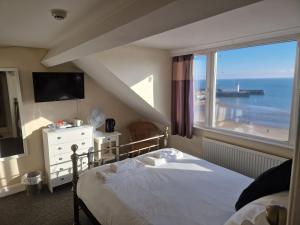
{"x":255,"y":212}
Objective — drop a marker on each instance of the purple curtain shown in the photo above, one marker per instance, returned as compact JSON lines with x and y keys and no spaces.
{"x":182,"y":112}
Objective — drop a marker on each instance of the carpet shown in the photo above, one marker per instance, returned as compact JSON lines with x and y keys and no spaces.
{"x":42,"y":209}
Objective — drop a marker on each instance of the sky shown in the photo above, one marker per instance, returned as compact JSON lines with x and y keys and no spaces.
{"x":265,"y":61}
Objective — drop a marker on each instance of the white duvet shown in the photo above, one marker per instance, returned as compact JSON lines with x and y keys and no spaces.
{"x":187,"y":191}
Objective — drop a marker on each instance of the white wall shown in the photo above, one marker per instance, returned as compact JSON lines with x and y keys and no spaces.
{"x":38,"y":115}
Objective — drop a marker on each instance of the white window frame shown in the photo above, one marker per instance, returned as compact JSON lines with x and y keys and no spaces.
{"x":211,"y":96}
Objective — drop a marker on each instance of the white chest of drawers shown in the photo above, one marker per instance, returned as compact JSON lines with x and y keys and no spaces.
{"x":57,"y":152}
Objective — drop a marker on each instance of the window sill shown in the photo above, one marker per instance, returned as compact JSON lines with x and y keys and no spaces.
{"x":244,"y":137}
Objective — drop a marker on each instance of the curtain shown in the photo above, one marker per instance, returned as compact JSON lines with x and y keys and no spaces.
{"x":182,"y":112}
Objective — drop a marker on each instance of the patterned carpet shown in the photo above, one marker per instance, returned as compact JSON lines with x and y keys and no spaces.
{"x":42,"y":209}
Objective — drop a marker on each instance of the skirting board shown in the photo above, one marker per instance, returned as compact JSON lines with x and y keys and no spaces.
{"x":12,"y":189}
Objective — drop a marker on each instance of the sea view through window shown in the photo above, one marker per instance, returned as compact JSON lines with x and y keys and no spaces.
{"x":253,"y":90}
{"x":200,"y":88}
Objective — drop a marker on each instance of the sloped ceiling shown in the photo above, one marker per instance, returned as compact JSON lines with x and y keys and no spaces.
{"x":110,"y":82}
{"x":266,"y":19}
{"x":141,"y":19}
{"x":145,"y":71}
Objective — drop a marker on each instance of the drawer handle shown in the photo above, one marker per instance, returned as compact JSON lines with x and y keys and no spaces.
{"x":108,"y":139}
{"x":62,"y":178}
{"x":58,"y":138}
{"x":59,"y":148}
{"x":60,"y":158}
{"x":82,"y":133}
{"x":83,"y":143}
{"x":61,"y":169}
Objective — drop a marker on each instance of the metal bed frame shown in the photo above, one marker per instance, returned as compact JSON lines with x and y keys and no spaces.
{"x":92,"y":162}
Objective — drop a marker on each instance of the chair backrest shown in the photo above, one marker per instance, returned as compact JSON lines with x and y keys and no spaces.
{"x":141,"y":130}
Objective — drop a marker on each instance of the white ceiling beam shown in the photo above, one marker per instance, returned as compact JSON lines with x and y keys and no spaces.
{"x":141,"y":19}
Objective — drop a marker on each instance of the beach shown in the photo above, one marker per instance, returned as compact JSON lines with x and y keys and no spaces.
{"x":278,"y":134}
{"x":259,"y":121}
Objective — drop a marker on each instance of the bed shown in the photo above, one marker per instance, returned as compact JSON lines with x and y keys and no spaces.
{"x":182,"y":191}
{"x":185,"y":191}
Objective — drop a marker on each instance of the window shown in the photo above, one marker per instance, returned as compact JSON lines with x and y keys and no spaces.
{"x":252,"y":90}
{"x":199,"y":70}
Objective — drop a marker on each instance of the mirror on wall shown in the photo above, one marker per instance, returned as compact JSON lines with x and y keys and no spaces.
{"x":11,"y":129}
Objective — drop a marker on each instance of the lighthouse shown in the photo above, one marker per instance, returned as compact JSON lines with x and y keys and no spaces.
{"x":237,"y":87}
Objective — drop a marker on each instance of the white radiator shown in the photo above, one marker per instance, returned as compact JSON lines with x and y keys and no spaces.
{"x":245,"y":161}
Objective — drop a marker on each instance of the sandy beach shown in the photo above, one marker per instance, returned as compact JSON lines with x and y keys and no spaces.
{"x":279,"y":134}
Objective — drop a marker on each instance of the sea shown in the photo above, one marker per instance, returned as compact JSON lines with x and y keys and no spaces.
{"x":271,"y":109}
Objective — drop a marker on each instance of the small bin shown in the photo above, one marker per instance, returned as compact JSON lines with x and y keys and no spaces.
{"x":32,"y":182}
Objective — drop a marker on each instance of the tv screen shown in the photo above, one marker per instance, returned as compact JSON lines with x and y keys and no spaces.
{"x":52,"y":86}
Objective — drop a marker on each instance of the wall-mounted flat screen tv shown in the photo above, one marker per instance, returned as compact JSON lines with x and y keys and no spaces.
{"x":58,"y":86}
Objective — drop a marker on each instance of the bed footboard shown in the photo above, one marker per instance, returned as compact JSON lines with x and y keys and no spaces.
{"x":74,"y":158}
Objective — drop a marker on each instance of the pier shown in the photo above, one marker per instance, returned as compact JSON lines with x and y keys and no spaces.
{"x":239,"y":92}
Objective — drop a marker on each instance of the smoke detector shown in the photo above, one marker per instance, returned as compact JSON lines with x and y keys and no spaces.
{"x":59,"y":14}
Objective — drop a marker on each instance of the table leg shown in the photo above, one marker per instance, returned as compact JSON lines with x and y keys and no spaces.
{"x":117,"y":149}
